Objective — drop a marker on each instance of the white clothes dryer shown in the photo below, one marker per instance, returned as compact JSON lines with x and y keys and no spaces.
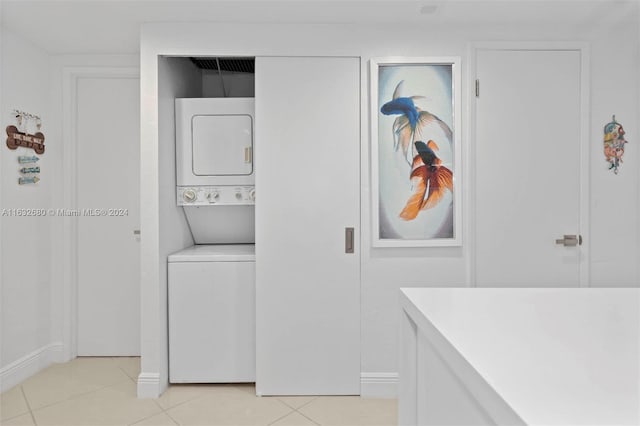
{"x":215,"y":172}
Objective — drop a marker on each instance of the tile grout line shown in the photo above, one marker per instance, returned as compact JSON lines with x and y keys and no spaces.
{"x":166,"y":411}
{"x":172,"y":419}
{"x":189,"y":400}
{"x":313,"y":398}
{"x":74,"y":396}
{"x":307,"y":417}
{"x":178,"y":404}
{"x":240,"y":392}
{"x":307,"y":403}
{"x":24,"y":395}
{"x":125,"y":373}
{"x":162,"y":411}
{"x":292,"y":410}
{"x":295,"y":410}
{"x":122,"y":369}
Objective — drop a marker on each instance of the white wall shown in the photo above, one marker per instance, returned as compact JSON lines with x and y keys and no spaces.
{"x":26,"y":286}
{"x":237,"y":85}
{"x":614,"y":253}
{"x":36,"y":302}
{"x":163,"y":227}
{"x":614,"y":208}
{"x":385,"y":270}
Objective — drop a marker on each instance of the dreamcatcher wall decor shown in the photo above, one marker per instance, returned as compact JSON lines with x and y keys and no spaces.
{"x":614,"y":142}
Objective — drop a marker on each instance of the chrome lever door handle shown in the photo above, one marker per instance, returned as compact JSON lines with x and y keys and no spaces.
{"x":570,"y":240}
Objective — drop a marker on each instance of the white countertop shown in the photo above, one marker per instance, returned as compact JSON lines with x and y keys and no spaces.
{"x":563,"y":356}
{"x":215,"y":253}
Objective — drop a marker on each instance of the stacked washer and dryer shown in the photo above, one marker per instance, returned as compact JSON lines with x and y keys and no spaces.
{"x":212,"y":284}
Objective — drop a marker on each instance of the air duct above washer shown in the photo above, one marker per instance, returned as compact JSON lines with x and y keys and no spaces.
{"x":228,"y":64}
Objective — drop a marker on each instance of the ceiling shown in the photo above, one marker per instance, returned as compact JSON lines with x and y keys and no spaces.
{"x":112,"y":26}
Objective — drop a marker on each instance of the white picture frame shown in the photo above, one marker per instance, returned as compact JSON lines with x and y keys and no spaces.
{"x":415,"y":151}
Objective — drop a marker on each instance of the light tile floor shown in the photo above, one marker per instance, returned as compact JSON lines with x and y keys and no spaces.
{"x":102,"y":391}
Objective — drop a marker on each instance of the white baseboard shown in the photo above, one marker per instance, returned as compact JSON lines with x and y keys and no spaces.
{"x":149,"y":385}
{"x":379,"y":385}
{"x":30,"y":364}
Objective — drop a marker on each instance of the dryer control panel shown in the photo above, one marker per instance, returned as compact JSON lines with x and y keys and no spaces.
{"x":216,"y":195}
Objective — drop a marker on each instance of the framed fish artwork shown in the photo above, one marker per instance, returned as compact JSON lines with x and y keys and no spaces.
{"x":415,"y":152}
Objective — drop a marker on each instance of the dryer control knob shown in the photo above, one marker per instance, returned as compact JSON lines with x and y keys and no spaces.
{"x":213,"y":197}
{"x":190,"y":195}
{"x":252,"y":195}
{"x":238,"y":195}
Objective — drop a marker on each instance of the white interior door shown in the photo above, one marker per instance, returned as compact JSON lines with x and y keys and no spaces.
{"x":308,"y":192}
{"x":108,"y":123}
{"x":527,"y":166}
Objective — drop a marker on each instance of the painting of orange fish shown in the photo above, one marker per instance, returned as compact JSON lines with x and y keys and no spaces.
{"x":429,"y":178}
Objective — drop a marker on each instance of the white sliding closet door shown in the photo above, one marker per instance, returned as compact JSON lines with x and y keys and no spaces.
{"x":308,"y":191}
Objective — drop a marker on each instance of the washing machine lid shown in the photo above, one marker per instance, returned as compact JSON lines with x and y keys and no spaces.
{"x":215,"y":253}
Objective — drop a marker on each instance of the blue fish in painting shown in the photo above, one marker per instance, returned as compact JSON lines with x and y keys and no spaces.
{"x":411,"y":120}
{"x":429,"y":179}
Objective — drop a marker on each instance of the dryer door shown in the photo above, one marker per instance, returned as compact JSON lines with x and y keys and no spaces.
{"x":214,"y":141}
{"x":222,"y":145}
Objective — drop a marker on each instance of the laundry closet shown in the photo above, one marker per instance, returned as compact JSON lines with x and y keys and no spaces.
{"x":263,"y":276}
{"x":211,"y":285}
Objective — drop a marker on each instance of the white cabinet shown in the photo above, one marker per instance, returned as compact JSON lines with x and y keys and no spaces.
{"x":308,"y":177}
{"x":519,"y":356}
{"x":211,"y":316}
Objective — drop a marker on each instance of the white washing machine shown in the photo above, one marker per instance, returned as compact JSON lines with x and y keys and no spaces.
{"x":212,"y":314}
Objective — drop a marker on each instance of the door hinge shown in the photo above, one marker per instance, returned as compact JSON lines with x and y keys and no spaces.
{"x":477,"y":88}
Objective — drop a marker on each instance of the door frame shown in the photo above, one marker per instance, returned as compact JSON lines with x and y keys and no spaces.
{"x":70,"y":79}
{"x":585,"y":112}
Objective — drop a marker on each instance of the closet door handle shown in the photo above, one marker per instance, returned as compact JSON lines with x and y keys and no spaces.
{"x":570,"y":240}
{"x":348,"y":240}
